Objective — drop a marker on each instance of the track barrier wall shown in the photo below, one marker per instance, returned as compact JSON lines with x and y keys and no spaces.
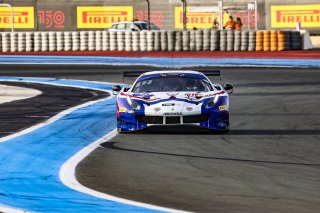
{"x":193,"y":40}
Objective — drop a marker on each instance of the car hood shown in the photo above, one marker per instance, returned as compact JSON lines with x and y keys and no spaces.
{"x":174,"y":103}
{"x":179,"y":96}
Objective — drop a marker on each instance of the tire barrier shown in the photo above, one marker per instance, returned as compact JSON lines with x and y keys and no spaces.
{"x":1,"y":43}
{"x":52,"y":40}
{"x":252,"y":41}
{"x":281,"y":40}
{"x":120,"y":41}
{"x":237,"y":40}
{"x":75,"y":41}
{"x":192,"y":40}
{"x":143,"y":41}
{"x":150,"y":40}
{"x":214,"y":40}
{"x":68,"y":41}
{"x":223,"y":40}
{"x":295,"y":42}
{"x":266,"y":41}
{"x":287,"y":40}
{"x":244,"y":41}
{"x":91,"y":40}
{"x":60,"y":41}
{"x":29,"y":41}
{"x":157,"y":41}
{"x":164,"y":40}
{"x":206,"y":39}
{"x":113,"y":40}
{"x":230,"y":40}
{"x":98,"y":40}
{"x":171,"y":40}
{"x":128,"y":41}
{"x":37,"y":41}
{"x":5,"y":42}
{"x":21,"y":42}
{"x":259,"y":41}
{"x":273,"y":41}
{"x":185,"y":40}
{"x":135,"y":41}
{"x":105,"y":41}
{"x":178,"y":41}
{"x":199,"y":40}
{"x":14,"y":42}
{"x":83,"y":40}
{"x":44,"y":41}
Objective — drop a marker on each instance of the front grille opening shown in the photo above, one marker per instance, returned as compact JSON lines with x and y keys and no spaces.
{"x":173,"y":120}
{"x":195,"y":119}
{"x":150,"y":119}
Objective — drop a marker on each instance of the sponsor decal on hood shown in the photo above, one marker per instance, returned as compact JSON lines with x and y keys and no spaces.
{"x":189,"y":109}
{"x":172,"y":113}
{"x":158,"y":109}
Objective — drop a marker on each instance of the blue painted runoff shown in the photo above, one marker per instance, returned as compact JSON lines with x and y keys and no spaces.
{"x":30,"y":164}
{"x":158,"y":61}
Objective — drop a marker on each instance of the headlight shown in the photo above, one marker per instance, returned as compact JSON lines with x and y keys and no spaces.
{"x":212,"y":102}
{"x":133,"y":104}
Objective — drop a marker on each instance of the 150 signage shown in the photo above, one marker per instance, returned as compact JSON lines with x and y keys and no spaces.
{"x":51,"y":19}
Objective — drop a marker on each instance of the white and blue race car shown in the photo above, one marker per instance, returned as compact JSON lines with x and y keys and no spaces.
{"x":173,"y":98}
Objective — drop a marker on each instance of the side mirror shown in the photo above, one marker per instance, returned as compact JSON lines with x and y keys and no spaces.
{"x":116,"y":89}
{"x":126,"y":89}
{"x":228,"y":88}
{"x":217,"y":86}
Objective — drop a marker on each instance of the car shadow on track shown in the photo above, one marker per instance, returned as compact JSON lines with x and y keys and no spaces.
{"x":189,"y":130}
{"x":275,"y":132}
{"x":113,"y":146}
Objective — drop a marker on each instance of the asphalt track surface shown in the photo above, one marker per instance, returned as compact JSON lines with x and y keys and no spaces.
{"x":269,"y":162}
{"x":20,"y":114}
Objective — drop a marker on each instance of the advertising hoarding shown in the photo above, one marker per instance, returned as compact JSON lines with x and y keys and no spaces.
{"x":96,"y":17}
{"x":23,"y":18}
{"x":287,"y":16}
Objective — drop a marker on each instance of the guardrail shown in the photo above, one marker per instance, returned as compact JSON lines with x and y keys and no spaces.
{"x":193,"y":40}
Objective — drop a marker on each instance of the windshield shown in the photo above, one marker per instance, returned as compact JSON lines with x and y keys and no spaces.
{"x":177,"y":83}
{"x":144,"y":26}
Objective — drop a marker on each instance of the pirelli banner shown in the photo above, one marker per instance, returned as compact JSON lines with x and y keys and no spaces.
{"x":195,"y":19}
{"x":205,"y":18}
{"x":98,"y":17}
{"x":286,"y":16}
{"x":23,"y":18}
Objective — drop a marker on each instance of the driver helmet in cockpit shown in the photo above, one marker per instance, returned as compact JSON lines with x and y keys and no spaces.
{"x":191,"y":84}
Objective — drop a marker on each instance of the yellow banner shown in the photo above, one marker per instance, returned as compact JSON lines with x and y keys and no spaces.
{"x":286,"y":16}
{"x":23,"y":17}
{"x":102,"y":16}
{"x":197,"y":20}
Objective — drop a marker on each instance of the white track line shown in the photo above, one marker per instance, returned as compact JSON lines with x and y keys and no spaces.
{"x":14,"y":93}
{"x":49,"y":121}
{"x":5,"y":209}
{"x":56,"y":117}
{"x":67,"y":176}
{"x":67,"y":171}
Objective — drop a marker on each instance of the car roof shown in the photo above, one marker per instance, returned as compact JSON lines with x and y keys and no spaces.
{"x":126,"y":22}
